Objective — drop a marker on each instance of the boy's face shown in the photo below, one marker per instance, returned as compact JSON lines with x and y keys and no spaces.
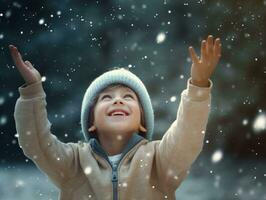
{"x":117,"y":110}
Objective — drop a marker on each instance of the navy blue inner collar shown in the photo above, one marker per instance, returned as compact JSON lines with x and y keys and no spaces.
{"x":97,"y":147}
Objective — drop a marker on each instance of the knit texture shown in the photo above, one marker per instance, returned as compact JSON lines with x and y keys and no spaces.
{"x":117,"y":76}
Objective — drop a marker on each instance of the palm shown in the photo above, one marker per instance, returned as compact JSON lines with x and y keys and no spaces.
{"x":202,"y":70}
{"x":203,"y":67}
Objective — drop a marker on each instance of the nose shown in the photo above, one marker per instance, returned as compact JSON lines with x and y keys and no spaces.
{"x":118,"y":100}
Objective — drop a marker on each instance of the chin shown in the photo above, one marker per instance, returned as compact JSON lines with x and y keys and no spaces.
{"x":121,"y":128}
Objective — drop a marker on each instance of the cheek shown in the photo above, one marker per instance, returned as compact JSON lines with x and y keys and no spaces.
{"x":137,"y":110}
{"x":100,"y":108}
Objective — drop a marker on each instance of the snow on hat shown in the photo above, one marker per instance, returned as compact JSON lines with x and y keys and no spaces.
{"x":117,"y":76}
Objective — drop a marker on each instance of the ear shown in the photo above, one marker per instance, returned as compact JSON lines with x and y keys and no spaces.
{"x":142,"y":129}
{"x":92,"y":128}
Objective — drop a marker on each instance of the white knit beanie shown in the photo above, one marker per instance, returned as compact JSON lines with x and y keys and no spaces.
{"x":117,"y":76}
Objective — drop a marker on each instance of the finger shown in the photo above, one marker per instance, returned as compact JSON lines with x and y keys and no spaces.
{"x":203,"y":50}
{"x":193,"y":55}
{"x":16,"y":56}
{"x":217,"y":48}
{"x":210,"y":45}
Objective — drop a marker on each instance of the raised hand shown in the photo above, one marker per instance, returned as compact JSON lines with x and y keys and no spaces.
{"x":27,"y":71}
{"x":203,"y":67}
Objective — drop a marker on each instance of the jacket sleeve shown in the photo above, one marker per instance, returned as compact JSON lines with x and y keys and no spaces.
{"x":58,"y":160}
{"x":183,"y":141}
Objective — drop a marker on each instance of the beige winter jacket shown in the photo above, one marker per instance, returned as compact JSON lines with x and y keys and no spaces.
{"x":147,"y":170}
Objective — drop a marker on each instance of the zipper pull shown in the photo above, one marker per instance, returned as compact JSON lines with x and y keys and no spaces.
{"x":114,"y":176}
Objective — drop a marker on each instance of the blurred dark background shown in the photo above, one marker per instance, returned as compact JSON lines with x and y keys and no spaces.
{"x":73,"y":42}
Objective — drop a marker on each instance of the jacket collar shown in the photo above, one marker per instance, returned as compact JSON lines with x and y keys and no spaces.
{"x":97,"y":148}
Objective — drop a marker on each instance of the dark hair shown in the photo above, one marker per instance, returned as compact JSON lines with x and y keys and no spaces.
{"x":94,"y":101}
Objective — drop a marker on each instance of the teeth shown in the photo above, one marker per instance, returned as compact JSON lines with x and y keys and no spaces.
{"x":118,"y":113}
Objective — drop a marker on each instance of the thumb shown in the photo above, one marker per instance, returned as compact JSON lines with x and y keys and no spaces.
{"x":193,"y":55}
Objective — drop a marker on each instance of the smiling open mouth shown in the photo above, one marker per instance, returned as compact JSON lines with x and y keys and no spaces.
{"x":118,"y":113}
{"x":118,"y":116}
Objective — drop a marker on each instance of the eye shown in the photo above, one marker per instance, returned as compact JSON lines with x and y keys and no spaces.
{"x":106,"y":96}
{"x":129,"y":95}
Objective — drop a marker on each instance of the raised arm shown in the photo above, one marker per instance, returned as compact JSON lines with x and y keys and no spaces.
{"x":183,"y":141}
{"x":58,"y":160}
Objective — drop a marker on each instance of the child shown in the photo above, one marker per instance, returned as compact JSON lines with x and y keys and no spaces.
{"x":118,"y":160}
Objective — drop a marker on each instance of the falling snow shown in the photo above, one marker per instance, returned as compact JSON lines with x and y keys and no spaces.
{"x":72,"y":45}
{"x":259,"y":123}
{"x":88,"y":170}
{"x":41,"y":21}
{"x":217,"y":156}
{"x":160,"y":38}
